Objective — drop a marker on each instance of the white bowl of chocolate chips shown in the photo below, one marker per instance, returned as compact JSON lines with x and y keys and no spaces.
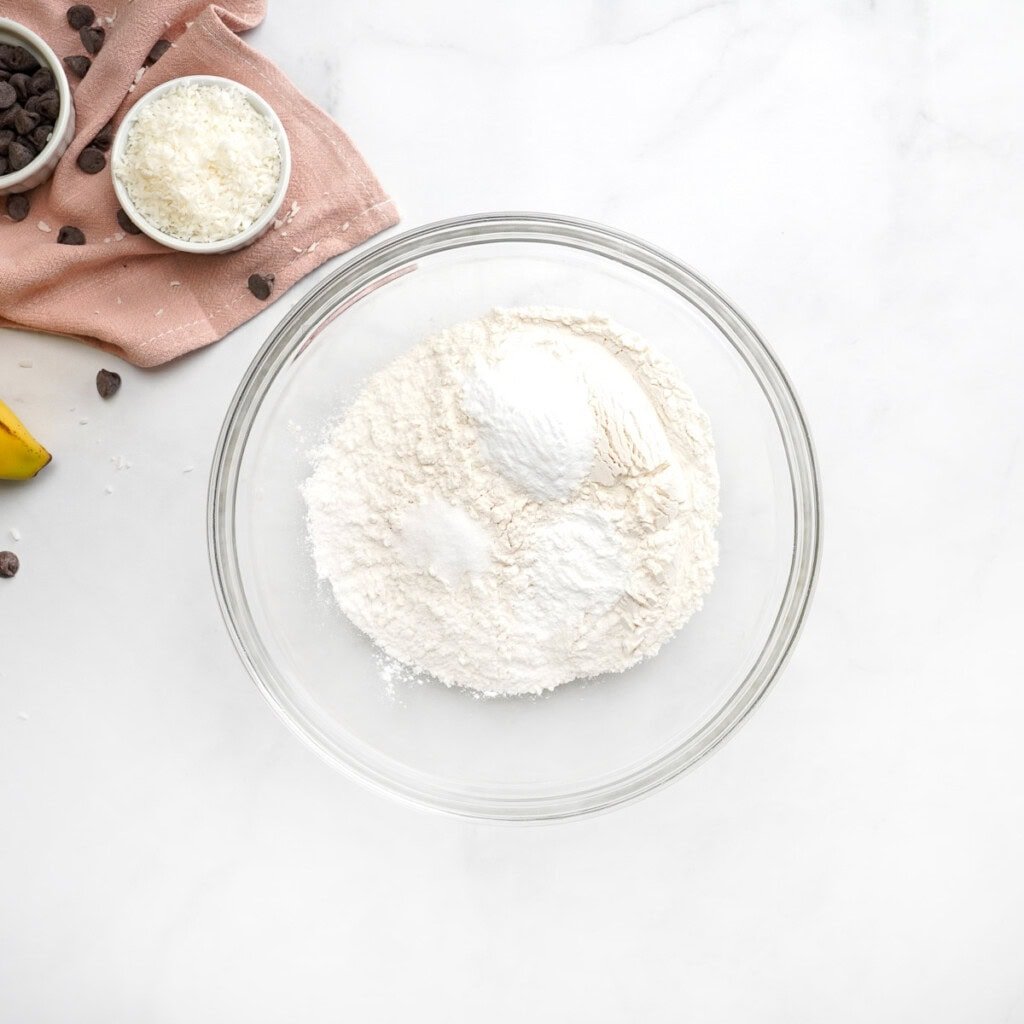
{"x":37,"y":115}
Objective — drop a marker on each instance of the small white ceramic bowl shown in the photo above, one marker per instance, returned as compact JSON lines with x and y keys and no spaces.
{"x":46,"y":162}
{"x":259,"y":226}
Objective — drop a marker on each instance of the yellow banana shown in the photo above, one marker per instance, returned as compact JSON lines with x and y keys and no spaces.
{"x":21,"y":455}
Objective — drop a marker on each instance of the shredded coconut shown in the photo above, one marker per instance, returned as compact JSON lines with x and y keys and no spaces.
{"x":200,"y":163}
{"x":517,"y":502}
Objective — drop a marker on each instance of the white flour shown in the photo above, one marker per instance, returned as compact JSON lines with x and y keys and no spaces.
{"x":519,"y":501}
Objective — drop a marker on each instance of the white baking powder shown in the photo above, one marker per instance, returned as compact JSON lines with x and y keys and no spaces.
{"x":533,"y":418}
{"x":518,"y":501}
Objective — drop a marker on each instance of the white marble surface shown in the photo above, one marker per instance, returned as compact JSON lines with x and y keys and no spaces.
{"x":851,"y":174}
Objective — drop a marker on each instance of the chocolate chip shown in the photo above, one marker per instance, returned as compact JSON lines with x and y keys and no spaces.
{"x":128,"y":226}
{"x":78,"y":65}
{"x":7,"y":117}
{"x":107,"y":383}
{"x":91,"y":160}
{"x":22,"y":85}
{"x":17,"y":58}
{"x":80,"y":16}
{"x":41,"y":136}
{"x":92,"y":39}
{"x":18,"y":206}
{"x":9,"y":564}
{"x":27,"y":142}
{"x":8,"y":95}
{"x":70,"y":236}
{"x":105,"y":137}
{"x":41,"y":81}
{"x":48,"y":106}
{"x":261,"y":285}
{"x":3,"y":166}
{"x":25,"y":121}
{"x":19,"y":155}
{"x":160,"y":47}
{"x":6,"y":138}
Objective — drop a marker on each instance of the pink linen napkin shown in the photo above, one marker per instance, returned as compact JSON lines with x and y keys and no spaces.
{"x":127,"y":293}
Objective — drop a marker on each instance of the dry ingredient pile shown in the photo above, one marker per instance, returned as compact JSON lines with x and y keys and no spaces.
{"x":200,"y":163}
{"x":519,"y":501}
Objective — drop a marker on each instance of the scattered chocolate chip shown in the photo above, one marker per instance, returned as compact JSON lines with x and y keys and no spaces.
{"x":128,"y":226}
{"x":261,"y":285}
{"x":160,"y":47}
{"x":19,"y":155}
{"x":80,"y":16}
{"x":70,"y":236}
{"x":105,"y":137}
{"x":48,"y":106}
{"x":18,"y":206}
{"x":8,"y":95}
{"x":6,"y":138}
{"x":92,"y":39}
{"x":107,"y":383}
{"x":9,"y":564}
{"x":25,"y":121}
{"x":17,"y":58}
{"x":78,"y":65}
{"x":91,"y":160}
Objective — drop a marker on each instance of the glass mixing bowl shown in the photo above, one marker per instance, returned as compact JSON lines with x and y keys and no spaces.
{"x":585,"y":746}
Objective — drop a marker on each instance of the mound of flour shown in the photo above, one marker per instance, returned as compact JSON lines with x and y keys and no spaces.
{"x":518,"y":501}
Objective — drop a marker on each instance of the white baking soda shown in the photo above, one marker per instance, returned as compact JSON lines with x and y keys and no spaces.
{"x":518,"y":501}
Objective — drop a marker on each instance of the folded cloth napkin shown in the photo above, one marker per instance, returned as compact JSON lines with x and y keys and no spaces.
{"x":129,"y":294}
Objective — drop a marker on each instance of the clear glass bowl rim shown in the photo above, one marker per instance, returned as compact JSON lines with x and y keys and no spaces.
{"x":360,"y":276}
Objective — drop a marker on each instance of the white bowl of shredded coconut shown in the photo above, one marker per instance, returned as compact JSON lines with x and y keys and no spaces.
{"x":201,"y":164}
